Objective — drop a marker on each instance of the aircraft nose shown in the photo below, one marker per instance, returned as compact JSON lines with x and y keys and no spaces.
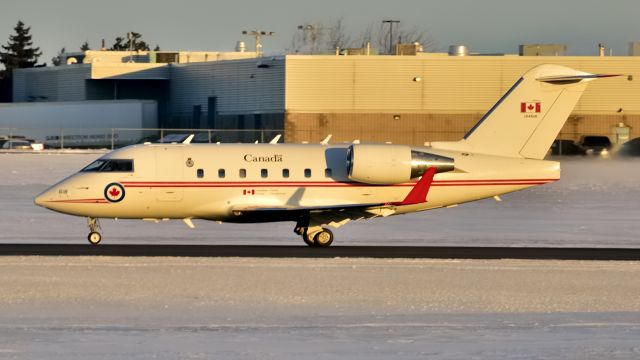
{"x":39,"y":200}
{"x":44,"y":197}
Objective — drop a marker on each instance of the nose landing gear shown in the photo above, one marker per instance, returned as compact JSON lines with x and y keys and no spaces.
{"x":94,"y":226}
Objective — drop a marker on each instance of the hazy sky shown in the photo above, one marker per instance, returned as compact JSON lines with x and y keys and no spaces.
{"x":482,"y":25}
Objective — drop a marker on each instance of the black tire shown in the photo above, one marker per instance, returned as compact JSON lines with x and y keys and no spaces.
{"x":94,"y":238}
{"x":308,"y":239}
{"x":323,"y":238}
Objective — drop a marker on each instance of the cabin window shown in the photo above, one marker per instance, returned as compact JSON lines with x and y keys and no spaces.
{"x":221,"y":173}
{"x":285,"y":173}
{"x":242,"y":173}
{"x":200,"y":173}
{"x":264,"y":173}
{"x":307,"y":173}
{"x":110,"y":165}
{"x":327,"y":172}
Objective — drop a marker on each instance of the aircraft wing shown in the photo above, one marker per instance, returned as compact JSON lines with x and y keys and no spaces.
{"x":338,"y":215}
{"x":334,"y":215}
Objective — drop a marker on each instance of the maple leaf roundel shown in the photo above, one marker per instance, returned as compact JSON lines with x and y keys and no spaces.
{"x":114,"y":192}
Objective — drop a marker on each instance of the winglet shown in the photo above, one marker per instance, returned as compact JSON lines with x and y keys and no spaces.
{"x":419,"y":192}
{"x":326,"y":140}
{"x":275,"y":139}
{"x":188,"y":139}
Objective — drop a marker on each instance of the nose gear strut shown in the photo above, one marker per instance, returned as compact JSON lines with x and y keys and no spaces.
{"x":94,"y":228}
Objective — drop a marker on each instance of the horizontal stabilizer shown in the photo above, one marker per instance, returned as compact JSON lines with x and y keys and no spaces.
{"x":574,"y":78}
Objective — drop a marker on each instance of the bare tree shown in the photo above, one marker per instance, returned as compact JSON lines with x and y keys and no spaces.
{"x":59,"y":58}
{"x":318,"y":38}
{"x":308,"y":38}
{"x":402,"y":35}
{"x":337,"y":36}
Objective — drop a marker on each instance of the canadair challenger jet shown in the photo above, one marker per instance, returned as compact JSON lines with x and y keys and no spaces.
{"x":322,"y":186}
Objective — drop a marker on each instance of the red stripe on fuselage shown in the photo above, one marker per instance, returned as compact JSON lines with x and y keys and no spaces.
{"x":330,"y":183}
{"x":81,"y":201}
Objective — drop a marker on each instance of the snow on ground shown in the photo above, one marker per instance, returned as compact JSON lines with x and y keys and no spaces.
{"x":595,"y":204}
{"x":169,"y":308}
{"x":181,"y":308}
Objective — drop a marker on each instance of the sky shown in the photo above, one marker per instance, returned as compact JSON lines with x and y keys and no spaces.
{"x":485,"y":26}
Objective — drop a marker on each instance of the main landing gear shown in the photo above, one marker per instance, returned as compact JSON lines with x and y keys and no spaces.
{"x":94,"y":226}
{"x":315,"y":236}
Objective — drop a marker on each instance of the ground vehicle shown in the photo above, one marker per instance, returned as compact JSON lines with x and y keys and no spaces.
{"x":567,"y":147}
{"x":630,"y":148}
{"x":596,"y":145}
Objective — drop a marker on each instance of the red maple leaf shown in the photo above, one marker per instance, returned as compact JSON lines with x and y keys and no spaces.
{"x":530,"y":107}
{"x":114,"y":192}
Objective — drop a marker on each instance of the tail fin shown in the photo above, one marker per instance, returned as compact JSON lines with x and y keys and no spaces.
{"x":526,"y":120}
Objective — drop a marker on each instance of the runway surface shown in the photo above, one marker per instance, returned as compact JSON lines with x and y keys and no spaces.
{"x":411,"y":252}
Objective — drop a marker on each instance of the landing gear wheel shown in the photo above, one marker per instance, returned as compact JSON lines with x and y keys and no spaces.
{"x":94,"y":226}
{"x":323,"y":238}
{"x":94,"y":238}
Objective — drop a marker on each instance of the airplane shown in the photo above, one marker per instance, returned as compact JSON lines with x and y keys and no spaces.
{"x":324,"y":185}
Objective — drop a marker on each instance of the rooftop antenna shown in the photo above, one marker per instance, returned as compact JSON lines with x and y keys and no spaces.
{"x":258,"y":34}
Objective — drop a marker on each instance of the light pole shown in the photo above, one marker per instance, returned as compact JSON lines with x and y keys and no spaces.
{"x":313,"y":32}
{"x":130,"y":36}
{"x":390,"y":22}
{"x":258,"y":34}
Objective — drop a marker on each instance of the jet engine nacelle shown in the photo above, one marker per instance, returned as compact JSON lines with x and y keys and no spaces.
{"x":391,"y":164}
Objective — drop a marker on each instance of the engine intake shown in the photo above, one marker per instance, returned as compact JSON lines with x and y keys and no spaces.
{"x":391,"y":164}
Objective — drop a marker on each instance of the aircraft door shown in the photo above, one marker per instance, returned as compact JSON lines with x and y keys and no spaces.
{"x":169,"y":173}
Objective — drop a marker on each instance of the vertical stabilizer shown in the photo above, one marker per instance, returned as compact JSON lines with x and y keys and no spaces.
{"x":526,"y":120}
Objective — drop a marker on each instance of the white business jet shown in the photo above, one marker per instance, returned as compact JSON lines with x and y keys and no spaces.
{"x":321,"y":186}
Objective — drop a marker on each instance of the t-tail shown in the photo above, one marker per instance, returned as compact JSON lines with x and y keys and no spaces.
{"x":527,"y":119}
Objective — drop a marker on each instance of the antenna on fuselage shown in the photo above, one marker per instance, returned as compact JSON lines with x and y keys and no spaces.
{"x":326,"y":140}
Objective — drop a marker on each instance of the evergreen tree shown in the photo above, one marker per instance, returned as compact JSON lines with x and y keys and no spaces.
{"x":85,"y":46}
{"x":19,"y":51}
{"x":137,"y":44}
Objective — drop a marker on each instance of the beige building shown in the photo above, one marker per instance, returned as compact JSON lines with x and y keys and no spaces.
{"x":413,"y":99}
{"x":399,"y":99}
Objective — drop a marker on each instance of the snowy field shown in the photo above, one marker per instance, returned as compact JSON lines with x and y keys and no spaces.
{"x":231,"y":308}
{"x":595,"y":204}
{"x":221,"y":308}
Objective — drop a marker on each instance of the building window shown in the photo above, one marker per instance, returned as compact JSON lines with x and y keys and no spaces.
{"x":242,"y":173}
{"x":221,"y":173}
{"x":307,"y":173}
{"x":264,"y":173}
{"x":327,"y":172}
{"x":285,"y":173}
{"x":200,"y":173}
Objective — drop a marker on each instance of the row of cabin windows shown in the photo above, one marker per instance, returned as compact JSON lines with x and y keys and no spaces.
{"x":264,"y":173}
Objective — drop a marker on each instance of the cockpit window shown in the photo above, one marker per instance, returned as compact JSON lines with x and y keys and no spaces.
{"x":110,"y":165}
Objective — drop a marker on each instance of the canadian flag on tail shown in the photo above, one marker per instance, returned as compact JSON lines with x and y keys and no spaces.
{"x":530,"y":107}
